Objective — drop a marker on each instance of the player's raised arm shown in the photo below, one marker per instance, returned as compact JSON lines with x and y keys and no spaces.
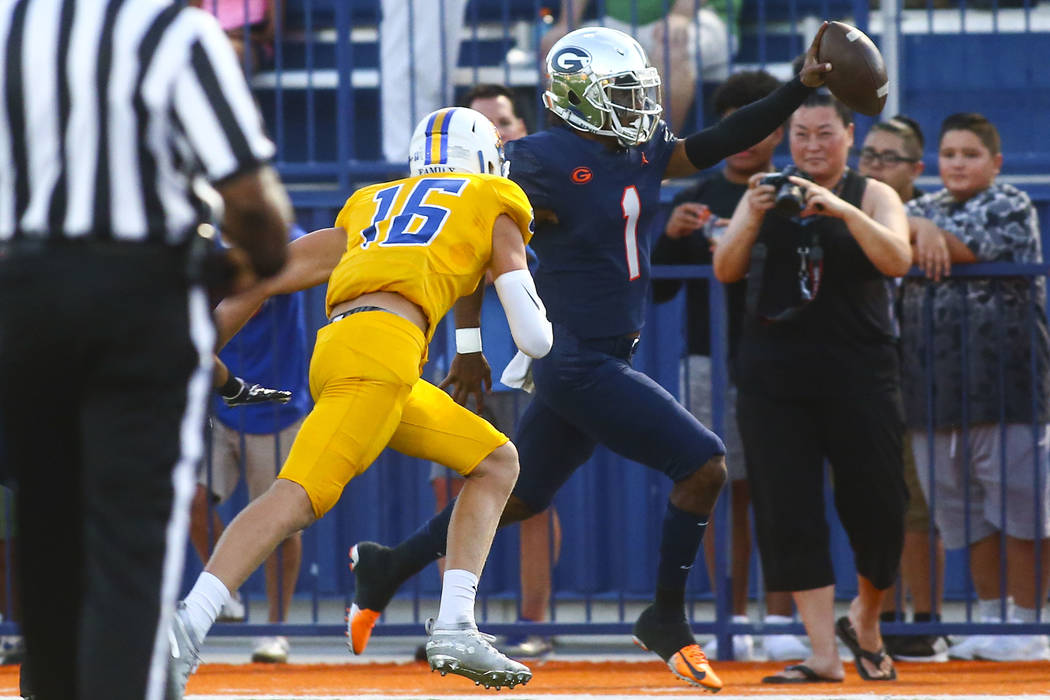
{"x":526,"y":314}
{"x":311,"y":259}
{"x":748,"y":125}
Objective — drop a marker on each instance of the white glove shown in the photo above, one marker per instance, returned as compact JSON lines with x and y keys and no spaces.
{"x":518,"y":373}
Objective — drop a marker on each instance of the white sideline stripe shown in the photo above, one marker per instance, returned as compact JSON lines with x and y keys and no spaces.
{"x":183,"y":479}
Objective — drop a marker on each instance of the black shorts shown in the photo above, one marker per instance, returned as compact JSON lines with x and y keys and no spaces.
{"x":787,"y":442}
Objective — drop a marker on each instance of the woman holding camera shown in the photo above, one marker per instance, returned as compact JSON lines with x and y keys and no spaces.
{"x":818,"y":379}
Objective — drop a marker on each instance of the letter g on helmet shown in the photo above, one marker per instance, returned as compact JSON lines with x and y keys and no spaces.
{"x":571,"y":59}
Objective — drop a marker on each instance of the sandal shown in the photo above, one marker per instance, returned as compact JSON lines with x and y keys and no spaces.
{"x":808,"y":676}
{"x":844,"y":630}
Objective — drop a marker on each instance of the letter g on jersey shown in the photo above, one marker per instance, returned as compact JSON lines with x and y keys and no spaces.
{"x":571,"y":60}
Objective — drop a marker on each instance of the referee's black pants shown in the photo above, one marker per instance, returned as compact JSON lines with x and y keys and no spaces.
{"x":104,"y":372}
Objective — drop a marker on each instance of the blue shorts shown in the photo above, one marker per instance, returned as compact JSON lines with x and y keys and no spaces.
{"x":588,"y":393}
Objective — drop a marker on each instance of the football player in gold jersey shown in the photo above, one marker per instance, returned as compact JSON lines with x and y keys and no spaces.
{"x":400,"y":255}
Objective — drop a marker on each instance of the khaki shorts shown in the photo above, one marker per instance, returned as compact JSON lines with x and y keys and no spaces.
{"x":262,"y":457}
{"x":697,"y":370}
{"x":364,"y":378}
{"x":917,"y":517}
{"x":986,"y":516}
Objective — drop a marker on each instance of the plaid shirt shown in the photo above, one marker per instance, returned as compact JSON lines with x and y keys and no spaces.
{"x":986,"y":322}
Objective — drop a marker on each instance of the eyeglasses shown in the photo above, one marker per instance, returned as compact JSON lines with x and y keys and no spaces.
{"x":869,"y":156}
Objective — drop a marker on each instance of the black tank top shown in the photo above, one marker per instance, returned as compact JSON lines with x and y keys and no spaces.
{"x":841,"y":342}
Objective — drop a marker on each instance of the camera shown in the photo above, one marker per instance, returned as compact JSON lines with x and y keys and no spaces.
{"x":789,"y":197}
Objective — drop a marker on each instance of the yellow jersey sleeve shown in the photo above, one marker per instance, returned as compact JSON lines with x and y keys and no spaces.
{"x":515,"y":204}
{"x":343,"y":219}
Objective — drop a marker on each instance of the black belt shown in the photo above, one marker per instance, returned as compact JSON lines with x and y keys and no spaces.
{"x":357,"y":310}
{"x":621,"y":346}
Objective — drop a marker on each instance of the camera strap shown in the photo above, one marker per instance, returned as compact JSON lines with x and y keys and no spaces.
{"x":810,"y":276}
{"x":810,"y":268}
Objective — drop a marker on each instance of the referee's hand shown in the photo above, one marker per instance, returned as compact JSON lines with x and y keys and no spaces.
{"x":237,"y":392}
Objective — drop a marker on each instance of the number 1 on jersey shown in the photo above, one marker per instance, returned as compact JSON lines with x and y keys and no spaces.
{"x":632,"y":209}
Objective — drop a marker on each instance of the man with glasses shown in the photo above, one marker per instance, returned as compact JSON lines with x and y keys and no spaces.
{"x":892,"y":153}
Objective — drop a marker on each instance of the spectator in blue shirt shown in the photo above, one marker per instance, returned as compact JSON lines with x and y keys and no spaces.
{"x":271,"y":350}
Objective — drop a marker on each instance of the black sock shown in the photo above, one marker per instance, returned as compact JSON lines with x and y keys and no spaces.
{"x":888,"y":616}
{"x":423,"y":546}
{"x":669,"y":604}
{"x":927,"y":617}
{"x":682,"y":534}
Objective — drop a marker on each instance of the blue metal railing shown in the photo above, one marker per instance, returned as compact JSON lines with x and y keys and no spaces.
{"x":661,"y":361}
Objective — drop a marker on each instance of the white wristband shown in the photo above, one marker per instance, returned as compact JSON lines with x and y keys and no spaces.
{"x":468,"y":340}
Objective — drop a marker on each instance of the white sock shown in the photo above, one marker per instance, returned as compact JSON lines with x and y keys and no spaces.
{"x":778,"y":620}
{"x":458,"y":590}
{"x":204,"y":602}
{"x":990,"y":610}
{"x":1024,"y":614}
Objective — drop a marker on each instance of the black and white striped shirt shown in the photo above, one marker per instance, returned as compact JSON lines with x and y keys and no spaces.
{"x":115,"y":113}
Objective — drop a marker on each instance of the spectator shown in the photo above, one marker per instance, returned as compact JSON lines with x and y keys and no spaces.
{"x":818,"y":377}
{"x":418,"y":51}
{"x":892,"y":153}
{"x":271,"y":348}
{"x":540,"y":534}
{"x":250,"y":25}
{"x":989,"y":418}
{"x":667,"y":30}
{"x":497,"y":103}
{"x":706,"y":207}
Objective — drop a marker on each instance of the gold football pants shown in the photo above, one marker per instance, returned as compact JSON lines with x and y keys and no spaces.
{"x":364,"y":379}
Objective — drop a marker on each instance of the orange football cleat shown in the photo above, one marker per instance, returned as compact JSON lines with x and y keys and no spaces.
{"x":672,"y":640}
{"x":359,"y":624}
{"x":691,"y":665}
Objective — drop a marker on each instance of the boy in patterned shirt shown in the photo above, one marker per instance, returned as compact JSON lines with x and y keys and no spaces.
{"x":989,"y":422}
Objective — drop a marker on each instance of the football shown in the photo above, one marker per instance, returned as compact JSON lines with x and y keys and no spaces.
{"x":858,"y":74}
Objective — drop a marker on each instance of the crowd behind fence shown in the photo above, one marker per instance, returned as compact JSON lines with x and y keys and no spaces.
{"x":607,"y":509}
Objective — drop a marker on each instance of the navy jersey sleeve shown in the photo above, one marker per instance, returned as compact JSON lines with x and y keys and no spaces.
{"x":527,"y":170}
{"x":660,"y":147}
{"x":745,"y":126}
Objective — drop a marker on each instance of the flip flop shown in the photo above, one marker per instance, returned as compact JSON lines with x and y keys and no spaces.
{"x":808,"y":676}
{"x":844,"y":630}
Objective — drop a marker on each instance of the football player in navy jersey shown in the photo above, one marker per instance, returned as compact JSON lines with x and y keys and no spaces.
{"x":594,"y":182}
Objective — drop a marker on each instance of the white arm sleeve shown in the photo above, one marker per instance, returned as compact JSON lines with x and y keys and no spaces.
{"x":525,"y":312}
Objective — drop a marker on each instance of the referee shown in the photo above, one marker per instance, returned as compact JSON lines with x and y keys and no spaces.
{"x":116,"y":116}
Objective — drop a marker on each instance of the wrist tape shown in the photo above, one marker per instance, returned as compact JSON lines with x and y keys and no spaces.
{"x":468,"y":340}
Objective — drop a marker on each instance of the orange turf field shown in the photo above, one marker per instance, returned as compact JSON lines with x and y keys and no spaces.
{"x":599,"y":678}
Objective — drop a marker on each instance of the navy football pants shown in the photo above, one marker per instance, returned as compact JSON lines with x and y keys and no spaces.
{"x":588,"y":393}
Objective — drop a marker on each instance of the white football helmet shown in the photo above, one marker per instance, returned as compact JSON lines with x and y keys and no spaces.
{"x":601,"y":82}
{"x":456,"y":140}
